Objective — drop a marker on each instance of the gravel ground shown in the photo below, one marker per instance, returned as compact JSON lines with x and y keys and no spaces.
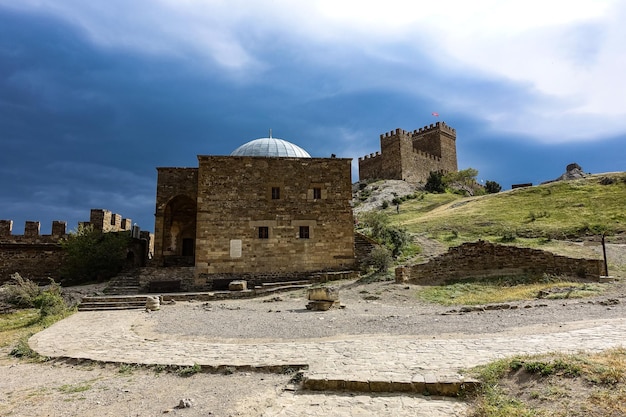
{"x":376,"y":308}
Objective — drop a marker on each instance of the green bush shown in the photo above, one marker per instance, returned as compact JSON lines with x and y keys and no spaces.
{"x":50,"y":303}
{"x":434,"y":183}
{"x":380,"y":259}
{"x":91,"y":255}
{"x":492,"y":187}
{"x":376,"y":226}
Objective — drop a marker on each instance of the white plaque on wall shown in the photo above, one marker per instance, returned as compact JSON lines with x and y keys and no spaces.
{"x":235,"y":248}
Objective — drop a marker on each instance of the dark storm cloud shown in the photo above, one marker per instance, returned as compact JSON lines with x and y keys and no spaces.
{"x":89,"y":108}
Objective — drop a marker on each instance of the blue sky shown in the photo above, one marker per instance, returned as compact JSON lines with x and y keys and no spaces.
{"x":94,"y":95}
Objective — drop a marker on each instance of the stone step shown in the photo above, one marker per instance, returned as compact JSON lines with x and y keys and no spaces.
{"x":128,"y":290}
{"x":419,"y":384}
{"x":114,"y":298}
{"x":283,"y":284}
{"x":110,"y":306}
{"x":112,"y":302}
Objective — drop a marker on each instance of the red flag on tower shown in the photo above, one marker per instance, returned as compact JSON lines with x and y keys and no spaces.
{"x":435,"y":114}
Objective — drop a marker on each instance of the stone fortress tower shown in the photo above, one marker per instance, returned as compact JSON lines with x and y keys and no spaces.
{"x":412,"y":156}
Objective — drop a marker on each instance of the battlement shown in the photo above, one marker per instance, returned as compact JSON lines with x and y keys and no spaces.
{"x":394,"y":133}
{"x":107,"y":221}
{"x":435,"y":126}
{"x":32,"y":229}
{"x":102,"y":220}
{"x":426,"y":155}
{"x":370,"y":156}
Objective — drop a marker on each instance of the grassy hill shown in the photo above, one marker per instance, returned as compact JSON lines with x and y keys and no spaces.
{"x":565,"y":209}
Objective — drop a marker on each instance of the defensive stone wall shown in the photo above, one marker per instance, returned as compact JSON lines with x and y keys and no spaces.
{"x":483,"y":259}
{"x":39,"y":257}
{"x":412,"y":156}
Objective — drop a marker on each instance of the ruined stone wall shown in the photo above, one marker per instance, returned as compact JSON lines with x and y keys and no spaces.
{"x":235,"y":200}
{"x":479,"y":259}
{"x":411,"y":156}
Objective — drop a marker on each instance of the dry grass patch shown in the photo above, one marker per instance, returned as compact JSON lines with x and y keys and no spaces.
{"x":506,"y":289}
{"x":556,"y":385}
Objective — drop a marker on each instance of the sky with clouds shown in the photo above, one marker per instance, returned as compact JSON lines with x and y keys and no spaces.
{"x":94,"y":95}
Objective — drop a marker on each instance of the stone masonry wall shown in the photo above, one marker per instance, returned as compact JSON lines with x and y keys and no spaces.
{"x":480,"y":259}
{"x":235,"y":200}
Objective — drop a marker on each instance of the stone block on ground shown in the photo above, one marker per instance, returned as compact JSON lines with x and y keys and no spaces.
{"x":153,"y":303}
{"x":323,"y":294}
{"x":238,"y":285}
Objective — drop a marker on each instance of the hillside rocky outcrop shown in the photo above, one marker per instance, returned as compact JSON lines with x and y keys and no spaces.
{"x":572,"y":172}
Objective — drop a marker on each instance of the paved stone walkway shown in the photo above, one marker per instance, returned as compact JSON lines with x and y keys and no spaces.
{"x":377,"y":362}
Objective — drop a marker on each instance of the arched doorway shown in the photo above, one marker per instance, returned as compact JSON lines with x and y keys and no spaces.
{"x":179,"y":236}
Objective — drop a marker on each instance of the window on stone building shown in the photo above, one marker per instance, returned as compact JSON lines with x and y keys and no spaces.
{"x":275,"y":193}
{"x":304,"y":232}
{"x":317,"y":193}
{"x":264,"y":232}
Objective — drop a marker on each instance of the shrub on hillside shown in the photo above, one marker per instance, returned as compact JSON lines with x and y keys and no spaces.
{"x":434,"y":183}
{"x":20,"y":292}
{"x":380,"y":259}
{"x":492,"y":187}
{"x":24,"y":293}
{"x":50,"y":302}
{"x":377,"y":227}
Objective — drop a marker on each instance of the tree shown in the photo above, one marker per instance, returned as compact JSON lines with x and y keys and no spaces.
{"x":464,"y":180}
{"x":492,"y":187}
{"x":434,"y":183}
{"x":91,"y":255}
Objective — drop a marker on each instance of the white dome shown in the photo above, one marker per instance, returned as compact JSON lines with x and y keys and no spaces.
{"x":271,"y":147}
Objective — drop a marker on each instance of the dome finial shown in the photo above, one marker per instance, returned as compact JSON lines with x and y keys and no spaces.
{"x":270,"y":133}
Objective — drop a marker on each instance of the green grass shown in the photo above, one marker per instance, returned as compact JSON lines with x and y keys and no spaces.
{"x":557,"y":210}
{"x":17,"y":327}
{"x":505,"y":289}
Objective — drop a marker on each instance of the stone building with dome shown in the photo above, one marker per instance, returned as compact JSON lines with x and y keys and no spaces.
{"x":267,"y":212}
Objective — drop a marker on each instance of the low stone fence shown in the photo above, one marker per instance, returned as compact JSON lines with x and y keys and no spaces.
{"x":483,"y":259}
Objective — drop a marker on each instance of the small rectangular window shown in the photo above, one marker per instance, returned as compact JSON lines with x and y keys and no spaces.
{"x":317,"y":193}
{"x":304,"y":232}
{"x":264,"y":232}
{"x":275,"y":193}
